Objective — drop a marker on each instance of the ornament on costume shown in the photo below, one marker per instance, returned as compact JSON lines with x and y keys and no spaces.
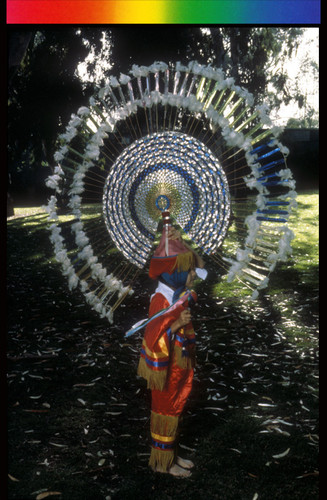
{"x":179,"y":139}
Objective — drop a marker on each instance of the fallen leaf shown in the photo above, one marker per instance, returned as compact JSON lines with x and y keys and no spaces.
{"x":235,"y":449}
{"x":315,"y":473}
{"x":47,"y":494}
{"x":281,"y":455}
{"x":83,"y":385}
{"x":13,"y":478}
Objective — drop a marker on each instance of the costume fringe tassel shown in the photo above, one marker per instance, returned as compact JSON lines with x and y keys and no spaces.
{"x":183,"y":360}
{"x":161,"y":459}
{"x":185,"y":354}
{"x":155,"y":380}
{"x":184,"y":261}
{"x":165,"y":425}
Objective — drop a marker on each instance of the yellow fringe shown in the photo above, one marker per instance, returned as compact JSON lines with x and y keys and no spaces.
{"x":184,"y":261}
{"x":161,"y":460}
{"x":189,"y":361}
{"x":165,"y":425}
{"x":185,"y":361}
{"x":155,"y":380}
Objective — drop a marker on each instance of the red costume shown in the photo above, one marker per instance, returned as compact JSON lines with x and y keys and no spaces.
{"x":167,"y":360}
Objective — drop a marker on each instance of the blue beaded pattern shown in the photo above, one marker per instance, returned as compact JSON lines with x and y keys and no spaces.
{"x":168,"y":170}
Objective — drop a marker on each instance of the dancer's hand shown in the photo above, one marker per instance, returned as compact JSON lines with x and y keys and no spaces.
{"x":185,"y":317}
{"x":183,"y":320}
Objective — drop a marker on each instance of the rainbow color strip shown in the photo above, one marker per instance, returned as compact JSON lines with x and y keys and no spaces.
{"x":302,"y":12}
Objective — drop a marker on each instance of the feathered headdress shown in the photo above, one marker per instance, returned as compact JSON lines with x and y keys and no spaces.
{"x":179,"y":138}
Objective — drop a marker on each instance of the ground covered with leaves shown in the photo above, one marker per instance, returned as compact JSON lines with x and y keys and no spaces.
{"x":78,"y":417}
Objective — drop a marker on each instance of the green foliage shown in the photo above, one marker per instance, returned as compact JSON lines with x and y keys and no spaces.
{"x":43,"y":93}
{"x":309,"y":121}
{"x":45,"y":89}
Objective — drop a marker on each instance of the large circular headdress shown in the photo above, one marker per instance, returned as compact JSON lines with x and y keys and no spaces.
{"x":184,"y":139}
{"x":165,"y":171}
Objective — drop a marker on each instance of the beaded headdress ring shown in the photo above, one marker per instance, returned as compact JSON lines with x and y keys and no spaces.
{"x":183,"y":139}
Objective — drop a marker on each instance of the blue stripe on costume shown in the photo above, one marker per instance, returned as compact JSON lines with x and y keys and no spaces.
{"x":162,"y":446}
{"x":185,"y":340}
{"x":155,"y":364}
{"x":179,"y":338}
{"x":184,"y":343}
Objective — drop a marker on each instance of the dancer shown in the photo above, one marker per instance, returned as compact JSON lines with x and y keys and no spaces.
{"x":168,"y":350}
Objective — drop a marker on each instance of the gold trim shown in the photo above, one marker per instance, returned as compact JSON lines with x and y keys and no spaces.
{"x":157,"y":355}
{"x":165,"y":439}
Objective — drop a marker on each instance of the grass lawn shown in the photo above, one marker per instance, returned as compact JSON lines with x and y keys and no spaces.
{"x":78,"y":417}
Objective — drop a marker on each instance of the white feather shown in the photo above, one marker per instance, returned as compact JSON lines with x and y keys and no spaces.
{"x":72,"y":281}
{"x":158,"y":66}
{"x":83,"y":111}
{"x":124,"y":79}
{"x":81,"y":239}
